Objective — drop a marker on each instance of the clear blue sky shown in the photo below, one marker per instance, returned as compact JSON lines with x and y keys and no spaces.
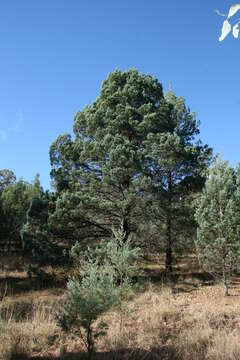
{"x":55,"y":54}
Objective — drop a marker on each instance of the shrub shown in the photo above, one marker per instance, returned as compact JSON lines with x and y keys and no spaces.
{"x":103,"y":276}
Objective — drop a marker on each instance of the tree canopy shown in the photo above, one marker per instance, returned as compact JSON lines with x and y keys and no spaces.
{"x":133,"y":143}
{"x":99,"y":173}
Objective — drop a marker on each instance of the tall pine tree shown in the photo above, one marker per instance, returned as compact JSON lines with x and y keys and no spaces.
{"x":99,"y":174}
{"x":177,"y":164}
{"x":217,"y":216}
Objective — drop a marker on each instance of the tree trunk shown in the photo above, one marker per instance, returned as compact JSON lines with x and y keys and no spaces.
{"x":89,"y":343}
{"x":225,"y":279}
{"x":169,"y":247}
{"x":169,"y":258}
{"x":125,"y":228}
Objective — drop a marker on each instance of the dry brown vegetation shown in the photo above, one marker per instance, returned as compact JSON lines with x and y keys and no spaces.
{"x":187,"y":318}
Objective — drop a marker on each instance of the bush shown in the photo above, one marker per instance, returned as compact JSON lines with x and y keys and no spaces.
{"x":104,"y":275}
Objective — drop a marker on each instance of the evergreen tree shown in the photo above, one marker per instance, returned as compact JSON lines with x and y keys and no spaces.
{"x":103,"y":276}
{"x":40,"y":238}
{"x":119,"y":256}
{"x":99,"y":174}
{"x":7,"y":177}
{"x":16,"y":199}
{"x":177,"y":164}
{"x":217,"y":216}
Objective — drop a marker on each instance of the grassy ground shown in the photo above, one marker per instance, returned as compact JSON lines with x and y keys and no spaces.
{"x":186,"y":317}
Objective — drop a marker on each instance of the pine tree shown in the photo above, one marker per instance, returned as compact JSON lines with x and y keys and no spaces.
{"x":177,"y":163}
{"x":102,"y":277}
{"x":86,"y":300}
{"x":7,"y":177}
{"x":40,"y":238}
{"x":217,"y":216}
{"x":99,"y":173}
{"x":122,"y":258}
{"x":16,"y":199}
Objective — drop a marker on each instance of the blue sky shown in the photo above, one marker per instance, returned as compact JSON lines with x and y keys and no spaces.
{"x":55,"y":54}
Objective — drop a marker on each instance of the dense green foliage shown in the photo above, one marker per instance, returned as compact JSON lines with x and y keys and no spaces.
{"x":135,"y":160}
{"x":101,"y":279}
{"x":7,"y":177}
{"x":178,"y":165}
{"x":99,"y":174}
{"x":38,"y":237}
{"x":217,"y":214}
{"x":15,"y":199}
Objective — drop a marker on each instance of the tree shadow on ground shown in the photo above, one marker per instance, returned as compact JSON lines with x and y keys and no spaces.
{"x":18,"y":285}
{"x":163,"y":353}
{"x":12,"y":284}
{"x":179,"y":281}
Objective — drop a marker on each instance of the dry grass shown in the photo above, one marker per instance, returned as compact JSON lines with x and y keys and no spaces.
{"x":182,"y":322}
{"x":201,"y":325}
{"x":27,"y":330}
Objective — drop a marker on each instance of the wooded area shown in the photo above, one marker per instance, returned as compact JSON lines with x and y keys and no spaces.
{"x":135,"y":159}
{"x":134,"y":181}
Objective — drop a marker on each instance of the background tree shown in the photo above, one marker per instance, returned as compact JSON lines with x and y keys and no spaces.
{"x":38,"y":237}
{"x":7,"y":177}
{"x":217,"y":216}
{"x":177,"y":164}
{"x":15,"y":200}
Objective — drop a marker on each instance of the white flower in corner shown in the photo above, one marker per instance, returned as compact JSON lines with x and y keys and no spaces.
{"x":233,"y":9}
{"x":235,"y":31}
{"x":226,"y":27}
